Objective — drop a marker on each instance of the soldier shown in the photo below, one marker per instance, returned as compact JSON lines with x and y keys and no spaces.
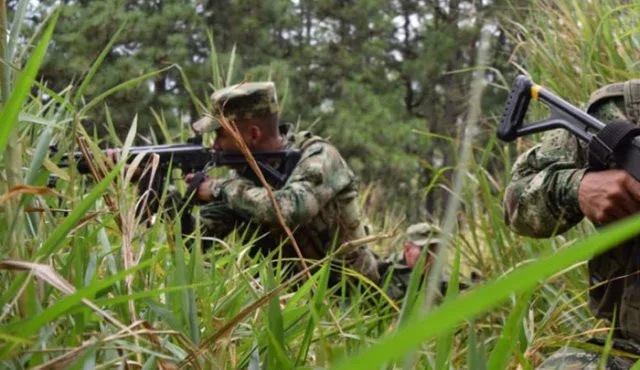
{"x":416,"y":237}
{"x":552,"y":189}
{"x":319,"y":201}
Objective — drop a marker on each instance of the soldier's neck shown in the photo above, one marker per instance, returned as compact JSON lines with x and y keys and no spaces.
{"x":272,"y":144}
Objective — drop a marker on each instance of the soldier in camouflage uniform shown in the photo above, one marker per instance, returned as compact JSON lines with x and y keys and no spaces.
{"x":416,"y":237}
{"x":552,"y":189}
{"x":319,"y":201}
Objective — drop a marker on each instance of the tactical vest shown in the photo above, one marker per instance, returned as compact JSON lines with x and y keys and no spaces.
{"x":615,"y":275}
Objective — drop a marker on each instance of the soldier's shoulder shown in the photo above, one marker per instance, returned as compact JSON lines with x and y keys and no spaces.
{"x":304,"y":139}
{"x":311,"y":144}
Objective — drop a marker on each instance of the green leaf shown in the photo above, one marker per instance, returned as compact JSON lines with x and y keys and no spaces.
{"x":132,"y":82}
{"x":12,"y":107}
{"x":275,"y":327}
{"x":445,"y":342}
{"x":509,"y":337}
{"x":60,"y":233}
{"x":96,"y":65}
{"x":490,"y":295}
{"x":16,"y":25}
{"x":31,"y":325}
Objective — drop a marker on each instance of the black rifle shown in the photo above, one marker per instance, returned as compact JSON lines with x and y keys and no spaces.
{"x":194,"y":158}
{"x":613,"y":145}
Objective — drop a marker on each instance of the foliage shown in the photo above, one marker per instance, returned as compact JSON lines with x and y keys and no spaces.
{"x":372,"y":69}
{"x":575,"y":58}
{"x":86,"y":284}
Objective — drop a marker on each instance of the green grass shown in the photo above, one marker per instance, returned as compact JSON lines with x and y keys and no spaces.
{"x":95,"y":288}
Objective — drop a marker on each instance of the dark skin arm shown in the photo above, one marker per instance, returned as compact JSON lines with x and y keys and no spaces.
{"x":608,"y":196}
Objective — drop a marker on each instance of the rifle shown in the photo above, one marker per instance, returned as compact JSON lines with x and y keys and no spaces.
{"x":193,"y":157}
{"x":613,"y":145}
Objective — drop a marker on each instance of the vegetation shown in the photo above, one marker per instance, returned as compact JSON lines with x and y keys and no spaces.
{"x":86,"y":284}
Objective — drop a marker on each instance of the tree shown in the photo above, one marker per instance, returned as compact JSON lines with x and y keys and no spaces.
{"x":156,"y":35}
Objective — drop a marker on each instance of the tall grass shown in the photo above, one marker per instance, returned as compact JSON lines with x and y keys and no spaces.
{"x":93,"y":288}
{"x":576,"y":47}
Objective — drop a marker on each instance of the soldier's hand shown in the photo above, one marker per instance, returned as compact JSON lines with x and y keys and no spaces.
{"x":608,"y":196}
{"x":412,"y":253}
{"x":114,"y":156}
{"x":203,"y":194}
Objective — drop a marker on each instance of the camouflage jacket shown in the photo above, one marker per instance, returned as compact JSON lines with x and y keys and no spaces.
{"x":318,"y":202}
{"x":542,"y":200}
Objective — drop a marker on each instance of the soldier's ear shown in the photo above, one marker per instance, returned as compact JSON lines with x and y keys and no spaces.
{"x":254,"y":134}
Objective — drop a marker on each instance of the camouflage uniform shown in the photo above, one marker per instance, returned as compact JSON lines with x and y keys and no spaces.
{"x":542,"y":200}
{"x":420,"y":234}
{"x":318,"y":202}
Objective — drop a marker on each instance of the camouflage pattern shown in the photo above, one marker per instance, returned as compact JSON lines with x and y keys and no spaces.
{"x":579,"y":359}
{"x":422,"y":234}
{"x":398,"y":273}
{"x":241,"y":101}
{"x":318,"y":202}
{"x":542,"y":200}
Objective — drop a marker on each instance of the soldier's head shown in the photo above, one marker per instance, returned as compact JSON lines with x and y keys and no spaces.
{"x":417,"y":237}
{"x":252,"y":107}
{"x":616,"y":102}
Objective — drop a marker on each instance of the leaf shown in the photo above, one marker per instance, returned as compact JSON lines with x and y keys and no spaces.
{"x":119,"y":87}
{"x":61,"y":231}
{"x":482,"y":298}
{"x":10,"y":111}
{"x":508,"y":341}
{"x":96,"y":65}
{"x":26,"y":189}
{"x":445,"y":342}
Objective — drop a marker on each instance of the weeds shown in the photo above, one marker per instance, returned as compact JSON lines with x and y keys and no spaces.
{"x":92,"y":287}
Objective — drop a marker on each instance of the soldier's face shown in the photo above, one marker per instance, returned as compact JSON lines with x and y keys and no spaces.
{"x":225,"y":141}
{"x":412,"y":253}
{"x":251,"y":132}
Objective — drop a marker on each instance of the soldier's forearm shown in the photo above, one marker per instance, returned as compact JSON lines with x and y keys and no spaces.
{"x":296,"y":203}
{"x":544,"y":203}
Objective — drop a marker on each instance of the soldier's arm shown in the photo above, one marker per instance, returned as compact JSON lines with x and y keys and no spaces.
{"x":216,"y":219}
{"x":319,"y":176}
{"x":542,"y":198}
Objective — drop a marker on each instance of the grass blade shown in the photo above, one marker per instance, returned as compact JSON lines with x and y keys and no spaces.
{"x":61,"y":231}
{"x":16,"y":25}
{"x":485,"y":297}
{"x":445,"y":342}
{"x":120,"y":87}
{"x":96,"y":65}
{"x":9,"y":114}
{"x":509,"y":337}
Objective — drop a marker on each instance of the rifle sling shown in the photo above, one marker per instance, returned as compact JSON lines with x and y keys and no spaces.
{"x":606,"y":146}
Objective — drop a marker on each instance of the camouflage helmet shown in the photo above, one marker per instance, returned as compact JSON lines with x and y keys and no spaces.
{"x":241,"y":101}
{"x":423,"y":233}
{"x":616,"y":102}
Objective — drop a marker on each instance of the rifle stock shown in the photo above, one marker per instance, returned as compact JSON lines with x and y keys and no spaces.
{"x":623,"y":152}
